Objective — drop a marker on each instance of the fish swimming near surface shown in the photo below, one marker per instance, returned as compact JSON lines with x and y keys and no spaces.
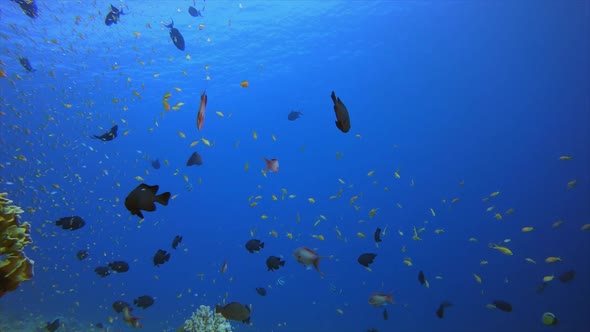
{"x":254,"y":245}
{"x":294,"y":115}
{"x":118,"y":306}
{"x":71,"y":223}
{"x":109,"y":135}
{"x":194,"y":159}
{"x":143,"y":198}
{"x":502,"y":305}
{"x":119,"y":266}
{"x":261,"y":291}
{"x":342,"y":118}
{"x":234,"y":311}
{"x":274,"y":262}
{"x":440,"y":312}
{"x":29,"y":7}
{"x":53,"y":326}
{"x":82,"y":254}
{"x":380,"y":299}
{"x":366,"y":259}
{"x":144,"y":301}
{"x":272,"y":165}
{"x":201,"y":113}
{"x":113,"y":17}
{"x":26,"y":64}
{"x":177,"y":38}
{"x":161,"y":257}
{"x":102,"y":271}
{"x":156,"y":164}
{"x":308,"y":258}
{"x":176,"y":241}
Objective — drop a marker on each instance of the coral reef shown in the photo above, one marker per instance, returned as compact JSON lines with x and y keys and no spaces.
{"x":206,"y":320}
{"x":15,"y":267}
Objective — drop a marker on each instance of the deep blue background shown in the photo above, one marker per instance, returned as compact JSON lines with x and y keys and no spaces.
{"x":491,"y":93}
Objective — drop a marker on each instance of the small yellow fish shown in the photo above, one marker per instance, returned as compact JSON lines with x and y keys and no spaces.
{"x":219,"y":114}
{"x":340,"y":311}
{"x":370,"y":173}
{"x":181,"y":134}
{"x":552,"y":259}
{"x":193,"y":143}
{"x":494,"y":194}
{"x":206,"y":141}
{"x":273,"y":233}
{"x":254,"y":135}
{"x":416,"y":237}
{"x":264,"y":217}
{"x":361,"y":235}
{"x":311,"y":200}
{"x":498,"y":216}
{"x":483,"y":263}
{"x":455,"y":200}
{"x":397,"y":176}
{"x":571,"y":184}
{"x":585,"y":227}
{"x":527,"y":229}
{"x":557,"y":224}
{"x":372,"y":212}
{"x":319,"y":237}
{"x":530,"y":260}
{"x":439,"y":230}
{"x":477,"y":278}
{"x":548,"y":278}
{"x":138,"y":178}
{"x":408,"y":261}
{"x":501,"y":249}
{"x":290,"y":236}
{"x":432,"y":211}
{"x":274,"y":197}
{"x":246,"y":166}
{"x":565,"y":158}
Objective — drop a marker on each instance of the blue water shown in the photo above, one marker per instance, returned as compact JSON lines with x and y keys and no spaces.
{"x":490,"y":93}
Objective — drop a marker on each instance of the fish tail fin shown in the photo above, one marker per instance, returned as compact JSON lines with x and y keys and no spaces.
{"x":262,"y":245}
{"x":163,"y":198}
{"x":139,"y":214}
{"x":282,"y":263}
{"x":268,"y":164}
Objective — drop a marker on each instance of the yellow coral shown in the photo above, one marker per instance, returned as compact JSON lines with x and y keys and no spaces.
{"x":15,"y":267}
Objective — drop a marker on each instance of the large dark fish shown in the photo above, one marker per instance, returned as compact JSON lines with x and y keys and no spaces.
{"x":82,"y":254}
{"x":119,"y":266}
{"x":177,"y":38}
{"x":261,"y":291}
{"x":143,"y":198}
{"x":144,"y":301}
{"x":102,"y":271}
{"x":194,"y":12}
{"x":156,"y":164}
{"x":113,"y":16}
{"x":273,"y":263}
{"x":53,"y":326}
{"x":366,"y":259}
{"x":254,"y":245}
{"x":234,"y":311}
{"x":440,"y":312}
{"x":26,"y":64}
{"x":194,"y":159}
{"x":294,"y":115}
{"x":109,"y":135}
{"x":377,"y":235}
{"x":421,"y":278}
{"x":118,"y":306}
{"x":161,"y":257}
{"x":29,"y":7}
{"x":342,"y":118}
{"x":502,"y":305}
{"x":176,"y":241}
{"x":71,"y":223}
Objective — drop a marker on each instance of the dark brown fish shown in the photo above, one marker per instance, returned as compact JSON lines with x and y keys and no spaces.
{"x":161,"y":257}
{"x":109,"y":135}
{"x":143,"y":198}
{"x":440,"y":312}
{"x":377,"y":235}
{"x":503,"y":305}
{"x":118,"y":306}
{"x":567,"y":276}
{"x":273,"y":263}
{"x":119,"y":266}
{"x":144,"y":301}
{"x":176,"y":241}
{"x":254,"y":245}
{"x":234,"y":311}
{"x":342,"y":118}
{"x":421,"y":278}
{"x":366,"y":259}
{"x":102,"y":271}
{"x":82,"y":254}
{"x":71,"y":223}
{"x":53,"y":326}
{"x":261,"y":291}
{"x":194,"y":159}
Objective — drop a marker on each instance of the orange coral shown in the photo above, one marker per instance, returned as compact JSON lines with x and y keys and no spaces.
{"x":15,"y":267}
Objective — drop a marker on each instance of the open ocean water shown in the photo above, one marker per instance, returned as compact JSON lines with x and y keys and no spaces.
{"x":468,"y":154}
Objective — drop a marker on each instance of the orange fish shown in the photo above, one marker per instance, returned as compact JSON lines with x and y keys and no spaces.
{"x":379,"y":299}
{"x":132,"y":321}
{"x":244,"y":84}
{"x":201,"y":114}
{"x":308,"y":258}
{"x":224,"y":267}
{"x":166,"y":105}
{"x":272,"y":165}
{"x":2,"y":73}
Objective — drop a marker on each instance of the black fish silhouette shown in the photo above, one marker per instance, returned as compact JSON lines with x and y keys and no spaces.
{"x":113,"y":16}
{"x":108,"y":136}
{"x":144,"y":301}
{"x":342,"y":118}
{"x":176,"y":241}
{"x":82,"y":254}
{"x":29,"y":7}
{"x":294,"y":115}
{"x":156,"y":164}
{"x":102,"y":271}
{"x":26,"y":64}
{"x":161,"y":257}
{"x":194,"y":12}
{"x":71,"y":223}
{"x":194,"y":159}
{"x":119,"y":266}
{"x":143,"y":197}
{"x":51,"y":327}
{"x":366,"y":259}
{"x":177,"y":38}
{"x":273,"y":263}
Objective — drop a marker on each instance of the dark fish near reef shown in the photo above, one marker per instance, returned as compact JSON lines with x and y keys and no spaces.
{"x":119,"y":266}
{"x":274,"y":262}
{"x":366,"y":259}
{"x":71,"y":223}
{"x":161,"y":257}
{"x":109,"y":135}
{"x":385,"y":314}
{"x":53,"y":326}
{"x":294,"y":115}
{"x":99,"y":326}
{"x":567,"y":276}
{"x":118,"y":306}
{"x":234,"y":311}
{"x":144,"y":301}
{"x":176,"y":241}
{"x":156,"y":164}
{"x":143,"y":198}
{"x":254,"y":245}
{"x":102,"y":271}
{"x":194,"y":12}
{"x":377,"y":235}
{"x":177,"y":38}
{"x":26,"y":64}
{"x":261,"y":291}
{"x":113,"y":16}
{"x":440,"y":312}
{"x":342,"y":118}
{"x":194,"y":159}
{"x":29,"y":7}
{"x":502,"y":305}
{"x":82,"y":254}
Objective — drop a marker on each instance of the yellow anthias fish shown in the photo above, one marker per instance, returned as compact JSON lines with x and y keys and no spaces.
{"x":548,"y":278}
{"x":552,"y":259}
{"x":527,"y":229}
{"x":477,"y":278}
{"x":501,"y":249}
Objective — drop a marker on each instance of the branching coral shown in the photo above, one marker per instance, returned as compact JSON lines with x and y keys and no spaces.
{"x":15,"y":267}
{"x":206,"y":320}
